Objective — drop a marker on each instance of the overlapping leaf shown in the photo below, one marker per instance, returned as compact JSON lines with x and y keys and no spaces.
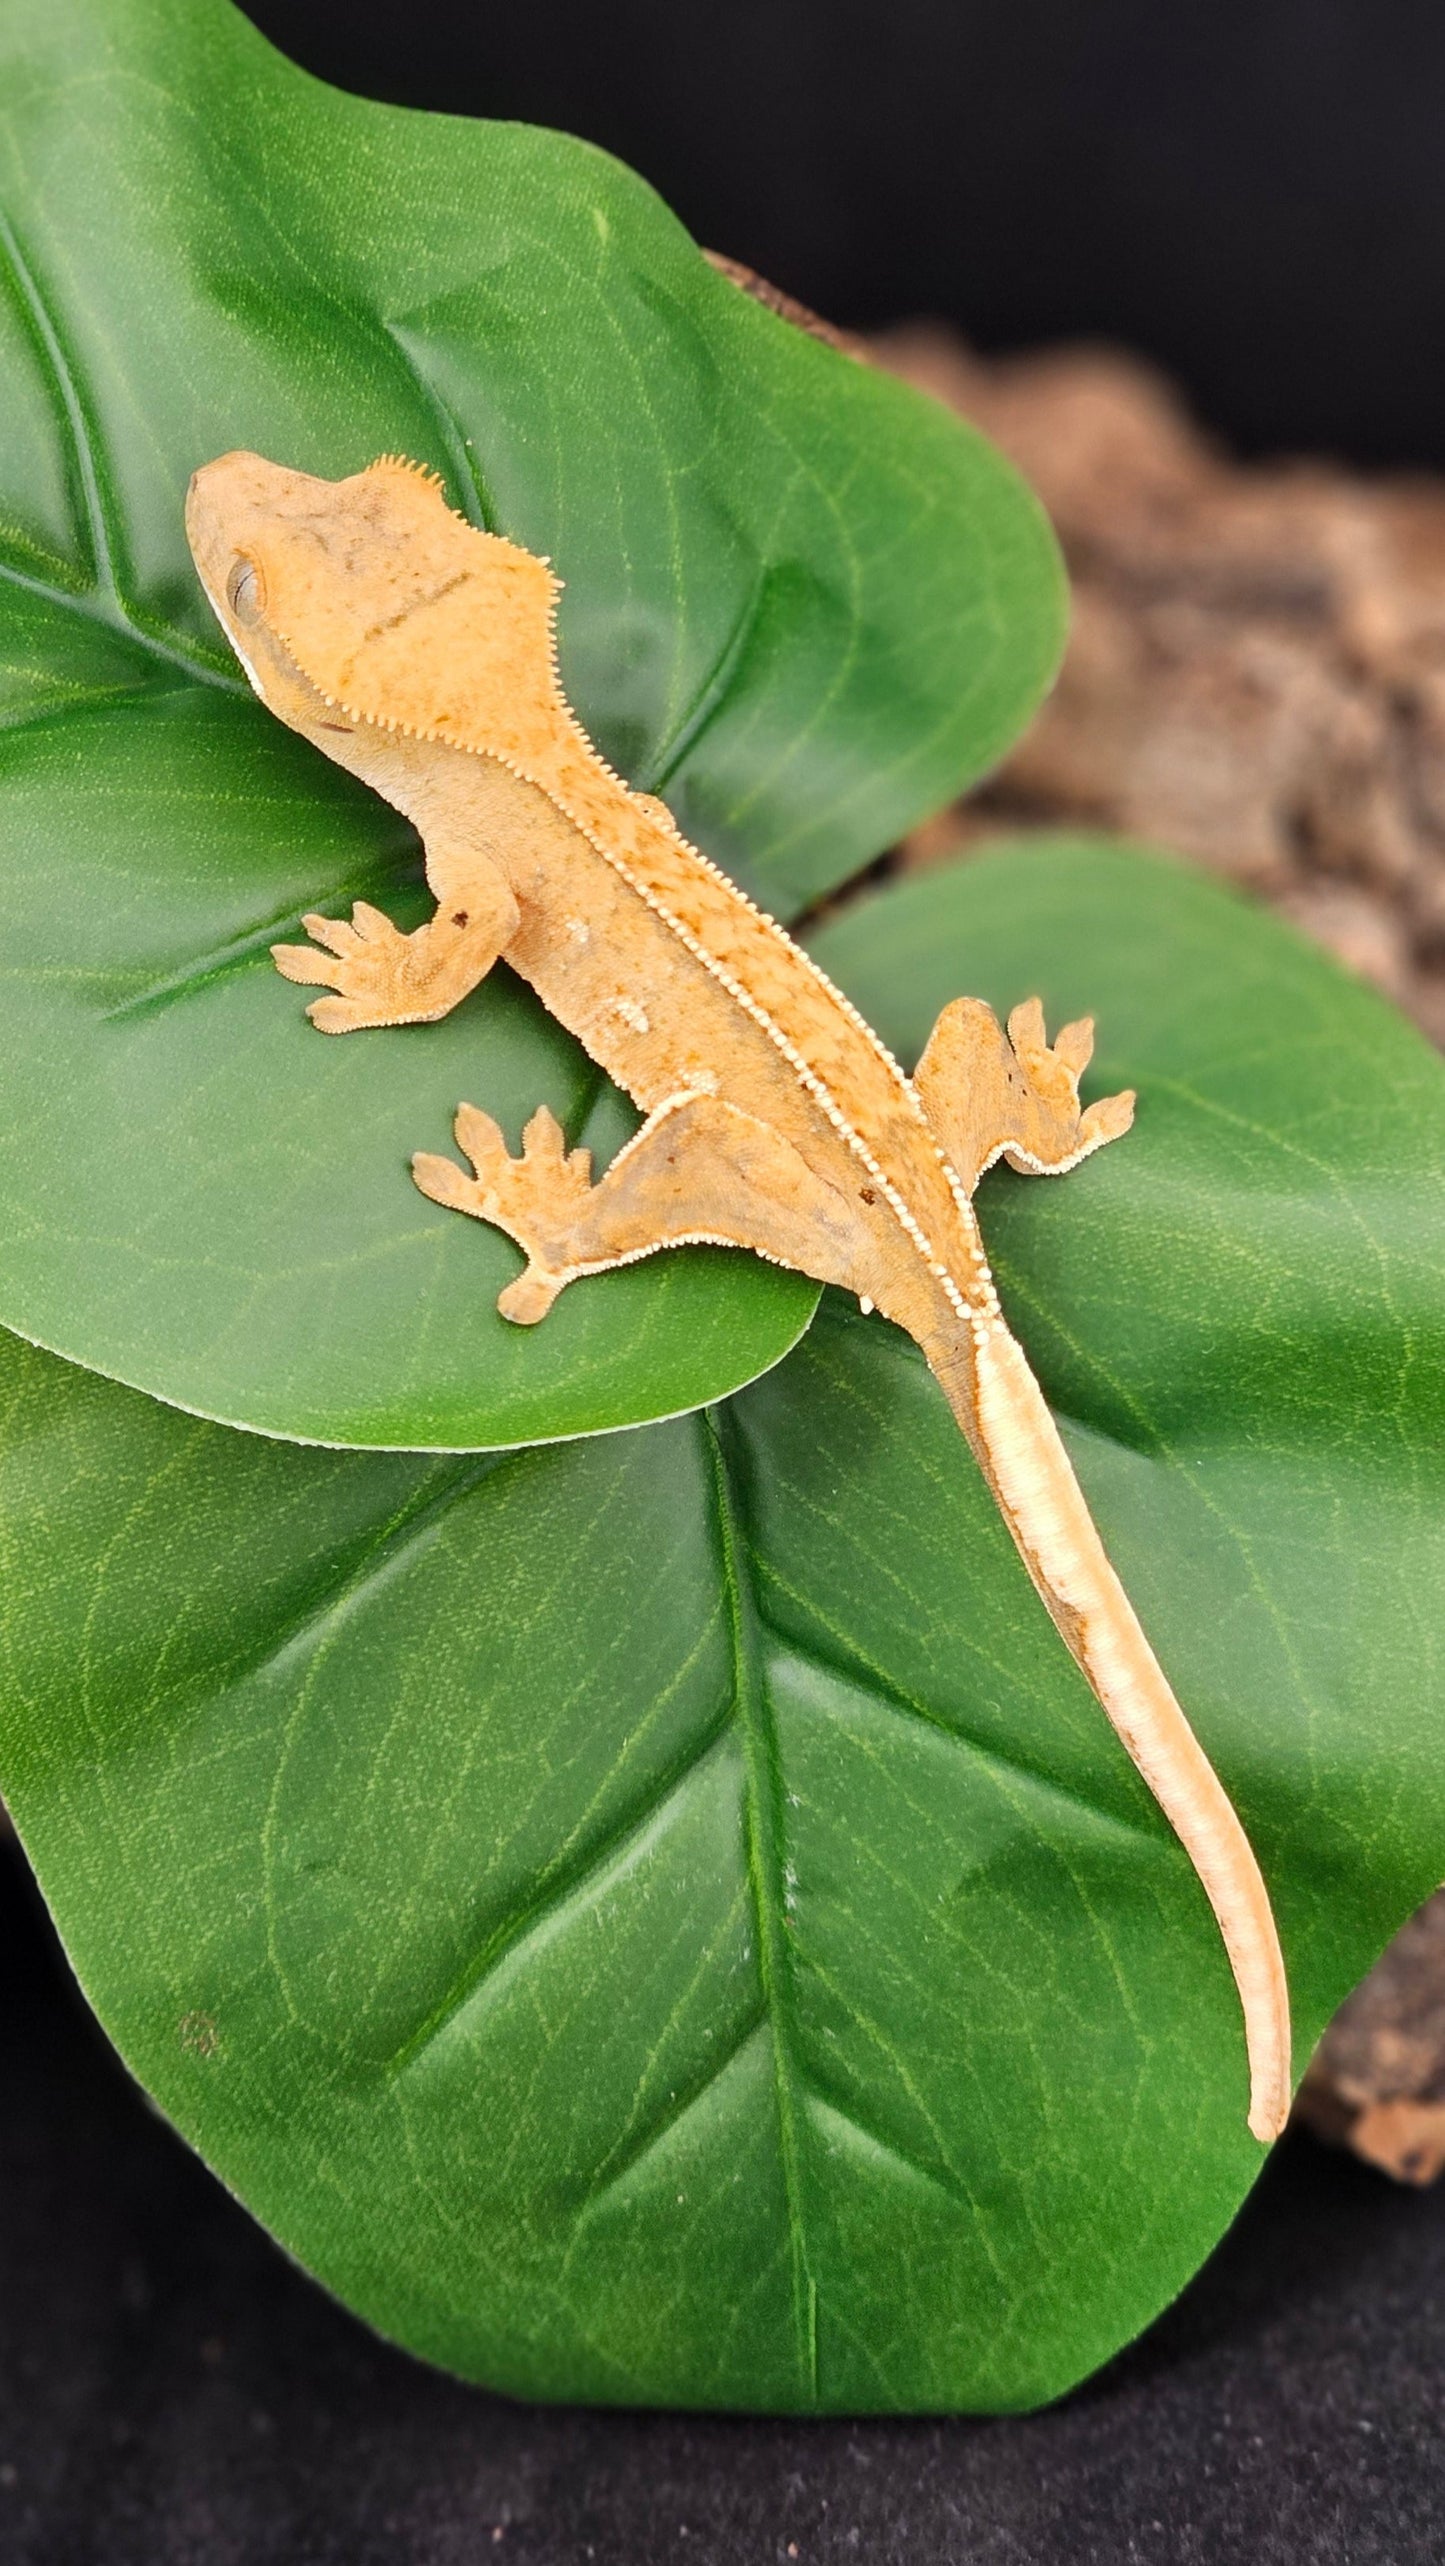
{"x":661,"y":1917}
{"x":801,"y":601}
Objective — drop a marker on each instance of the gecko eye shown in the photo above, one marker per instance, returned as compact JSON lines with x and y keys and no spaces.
{"x":245,"y":591}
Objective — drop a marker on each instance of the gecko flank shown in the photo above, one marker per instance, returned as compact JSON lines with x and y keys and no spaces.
{"x":419,"y":654}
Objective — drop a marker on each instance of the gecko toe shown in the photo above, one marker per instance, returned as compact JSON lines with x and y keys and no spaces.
{"x":341,"y":1016}
{"x":373,"y":926}
{"x":303,"y":962}
{"x":530,"y":1297}
{"x":335,"y":933}
{"x":444,"y":1182}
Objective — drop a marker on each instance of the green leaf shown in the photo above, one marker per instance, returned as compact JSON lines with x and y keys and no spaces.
{"x":801,"y":601}
{"x":206,"y":1197}
{"x":661,"y":1918}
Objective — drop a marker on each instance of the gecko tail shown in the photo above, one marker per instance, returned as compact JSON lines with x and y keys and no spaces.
{"x":1008,"y":1422}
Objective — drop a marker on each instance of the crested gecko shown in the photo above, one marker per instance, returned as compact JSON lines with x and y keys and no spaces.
{"x":419,"y":653}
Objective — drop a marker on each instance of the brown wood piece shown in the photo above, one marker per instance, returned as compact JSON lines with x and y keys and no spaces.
{"x":1256,"y":672}
{"x":1376,"y":2082}
{"x":787,"y":306}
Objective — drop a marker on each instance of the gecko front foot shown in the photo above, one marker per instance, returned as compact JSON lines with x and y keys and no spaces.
{"x":381,"y":977}
{"x":364,"y":963}
{"x":539,"y":1199}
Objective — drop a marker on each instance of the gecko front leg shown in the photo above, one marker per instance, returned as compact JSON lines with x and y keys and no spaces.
{"x":379,"y":976}
{"x":699,"y":1172}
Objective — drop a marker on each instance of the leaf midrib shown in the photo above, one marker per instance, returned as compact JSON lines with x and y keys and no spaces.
{"x":103,"y":602}
{"x":765,"y":1863}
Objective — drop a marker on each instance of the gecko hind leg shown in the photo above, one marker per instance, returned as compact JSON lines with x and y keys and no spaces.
{"x":698,"y":1172}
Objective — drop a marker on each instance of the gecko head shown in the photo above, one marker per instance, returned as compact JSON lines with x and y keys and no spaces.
{"x":257,"y":533}
{"x":368,"y":600}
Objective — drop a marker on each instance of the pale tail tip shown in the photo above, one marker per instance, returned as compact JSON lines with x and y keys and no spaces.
{"x":1267,"y":2126}
{"x":1267,"y":2038}
{"x":1269,"y":2111}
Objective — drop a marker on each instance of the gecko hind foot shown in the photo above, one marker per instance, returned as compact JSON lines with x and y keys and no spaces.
{"x":539,"y":1199}
{"x":699,"y":1170}
{"x":992,"y":1093}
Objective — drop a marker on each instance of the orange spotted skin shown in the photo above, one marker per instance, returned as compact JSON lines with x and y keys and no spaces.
{"x":419,"y":653}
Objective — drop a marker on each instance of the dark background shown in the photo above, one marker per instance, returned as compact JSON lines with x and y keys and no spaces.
{"x":1253,"y":192}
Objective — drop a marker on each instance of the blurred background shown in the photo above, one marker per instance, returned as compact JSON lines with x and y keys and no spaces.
{"x":1249,"y":192}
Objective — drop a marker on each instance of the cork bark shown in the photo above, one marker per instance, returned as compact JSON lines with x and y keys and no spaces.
{"x":1256,"y":673}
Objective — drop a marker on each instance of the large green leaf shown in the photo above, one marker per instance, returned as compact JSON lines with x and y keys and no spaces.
{"x":661,"y":1917}
{"x":801,"y":600}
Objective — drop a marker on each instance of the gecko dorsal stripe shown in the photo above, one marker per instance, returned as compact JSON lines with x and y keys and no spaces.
{"x":420,"y":654}
{"x":458,"y":648}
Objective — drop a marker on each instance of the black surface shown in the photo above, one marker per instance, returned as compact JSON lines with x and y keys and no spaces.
{"x":1253,"y":191}
{"x":174,"y":2393}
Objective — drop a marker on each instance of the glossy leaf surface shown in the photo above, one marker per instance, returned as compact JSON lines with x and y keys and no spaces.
{"x":801,"y":601}
{"x":661,"y":1918}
